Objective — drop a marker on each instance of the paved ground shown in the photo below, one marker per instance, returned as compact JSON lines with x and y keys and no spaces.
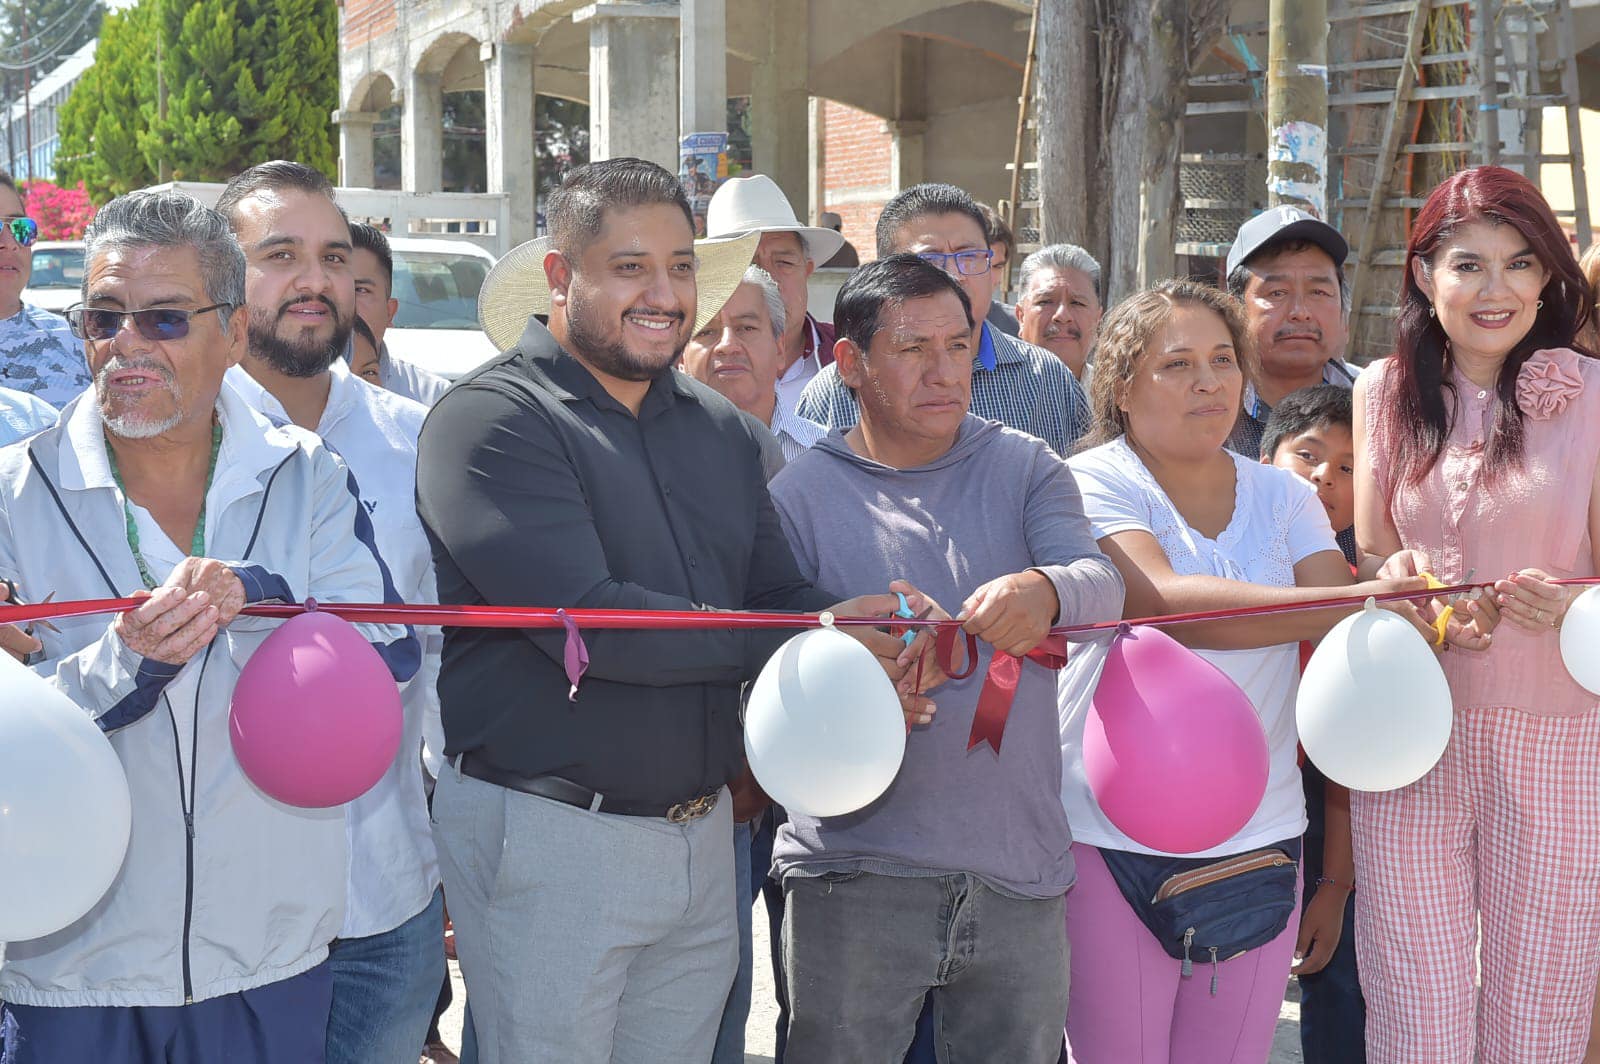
{"x":759,"y":1032}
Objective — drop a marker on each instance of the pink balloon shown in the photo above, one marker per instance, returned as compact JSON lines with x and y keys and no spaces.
{"x":316,"y":716}
{"x":1173,"y":749}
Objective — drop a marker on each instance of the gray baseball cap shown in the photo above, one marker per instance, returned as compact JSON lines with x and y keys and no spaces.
{"x":1281,"y":224}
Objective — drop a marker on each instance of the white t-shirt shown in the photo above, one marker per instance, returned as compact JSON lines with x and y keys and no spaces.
{"x":1277,"y":522}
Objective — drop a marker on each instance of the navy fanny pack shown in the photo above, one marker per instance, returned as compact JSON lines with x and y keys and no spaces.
{"x":1216,"y":908}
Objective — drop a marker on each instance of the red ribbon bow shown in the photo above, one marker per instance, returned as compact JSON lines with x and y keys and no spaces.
{"x":999,"y":683}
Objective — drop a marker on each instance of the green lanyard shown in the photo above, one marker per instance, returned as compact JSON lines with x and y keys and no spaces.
{"x":197,"y":546}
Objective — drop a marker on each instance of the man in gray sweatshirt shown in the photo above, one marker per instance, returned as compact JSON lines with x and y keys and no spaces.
{"x":953,"y":880}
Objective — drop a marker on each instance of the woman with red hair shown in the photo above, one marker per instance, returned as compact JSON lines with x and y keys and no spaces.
{"x":1477,"y":455}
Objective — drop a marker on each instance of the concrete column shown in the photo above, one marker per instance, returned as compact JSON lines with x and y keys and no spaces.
{"x":780,"y":104}
{"x":422,"y":135}
{"x":355,"y":147}
{"x":909,"y":123}
{"x":508,"y":105}
{"x":702,"y":66}
{"x":817,"y":166}
{"x":633,"y":78}
{"x":907,"y":154}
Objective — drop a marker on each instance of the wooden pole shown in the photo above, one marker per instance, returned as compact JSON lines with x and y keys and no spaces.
{"x":1023,"y":104}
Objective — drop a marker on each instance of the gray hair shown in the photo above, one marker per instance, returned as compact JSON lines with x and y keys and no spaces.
{"x":161,"y":219}
{"x":1239,"y":279}
{"x":769,"y":290}
{"x":1060,"y":257}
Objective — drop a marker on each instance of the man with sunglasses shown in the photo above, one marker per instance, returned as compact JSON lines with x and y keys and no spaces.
{"x":1013,"y":382}
{"x":38,"y":353}
{"x":300,"y":296}
{"x":212,"y":944}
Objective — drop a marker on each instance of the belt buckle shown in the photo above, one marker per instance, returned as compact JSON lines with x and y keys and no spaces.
{"x":693,"y":809}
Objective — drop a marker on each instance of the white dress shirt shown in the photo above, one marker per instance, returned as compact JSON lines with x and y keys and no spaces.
{"x":394,"y":869}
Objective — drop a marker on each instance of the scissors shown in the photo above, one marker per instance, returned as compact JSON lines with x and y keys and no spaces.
{"x":910,"y":635}
{"x":1440,"y":625}
{"x":11,"y":586}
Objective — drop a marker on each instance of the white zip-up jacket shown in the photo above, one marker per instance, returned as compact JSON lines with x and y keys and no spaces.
{"x":223,"y":889}
{"x":394,"y":869}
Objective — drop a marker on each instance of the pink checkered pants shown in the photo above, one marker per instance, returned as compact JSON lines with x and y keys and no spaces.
{"x":1505,"y":830}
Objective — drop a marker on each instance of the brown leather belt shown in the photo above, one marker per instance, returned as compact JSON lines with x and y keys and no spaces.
{"x":565,"y":791}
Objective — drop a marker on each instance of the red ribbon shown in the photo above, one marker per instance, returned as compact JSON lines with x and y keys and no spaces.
{"x":1000,"y":688}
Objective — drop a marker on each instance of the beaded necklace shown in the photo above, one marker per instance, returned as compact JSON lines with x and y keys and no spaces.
{"x":197,"y":546}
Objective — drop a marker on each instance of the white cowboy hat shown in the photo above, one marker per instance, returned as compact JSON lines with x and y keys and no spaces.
{"x":517,"y":288}
{"x":756,"y":204}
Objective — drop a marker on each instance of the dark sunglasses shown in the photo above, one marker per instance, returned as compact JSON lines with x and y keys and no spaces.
{"x":156,"y":324}
{"x":23,"y":230}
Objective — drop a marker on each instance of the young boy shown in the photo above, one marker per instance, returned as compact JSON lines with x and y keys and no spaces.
{"x":1309,"y":434}
{"x":364,"y":354}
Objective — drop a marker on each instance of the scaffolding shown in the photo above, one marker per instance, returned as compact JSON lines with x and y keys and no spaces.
{"x":1417,"y":89}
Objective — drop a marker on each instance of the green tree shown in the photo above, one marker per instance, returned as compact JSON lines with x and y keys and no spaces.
{"x":100,"y":120}
{"x":246,"y":81}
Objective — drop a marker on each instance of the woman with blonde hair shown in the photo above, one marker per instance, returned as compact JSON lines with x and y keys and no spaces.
{"x":1192,"y":527}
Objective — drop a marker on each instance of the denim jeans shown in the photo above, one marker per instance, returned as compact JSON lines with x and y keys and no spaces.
{"x":384,"y":989}
{"x":771,"y":893}
{"x":736,"y":1013}
{"x":1333,"y":1014}
{"x":861,"y":951}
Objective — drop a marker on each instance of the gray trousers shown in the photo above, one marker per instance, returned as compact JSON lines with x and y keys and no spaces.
{"x":586,"y":937}
{"x":861,"y":951}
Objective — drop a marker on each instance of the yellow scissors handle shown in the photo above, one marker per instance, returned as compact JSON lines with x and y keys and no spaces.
{"x":1440,"y":625}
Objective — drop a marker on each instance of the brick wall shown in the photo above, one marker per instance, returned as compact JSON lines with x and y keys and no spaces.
{"x":364,"y":20}
{"x":857,"y":175}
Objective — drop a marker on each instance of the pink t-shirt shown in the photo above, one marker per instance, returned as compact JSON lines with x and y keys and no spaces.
{"x":1532,"y":516}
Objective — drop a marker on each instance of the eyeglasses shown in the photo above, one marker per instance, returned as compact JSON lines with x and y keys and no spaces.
{"x":972,"y":263}
{"x":157,"y":324}
{"x":23,"y":230}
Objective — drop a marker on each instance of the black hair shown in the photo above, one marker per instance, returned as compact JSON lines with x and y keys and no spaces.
{"x":858,"y":310}
{"x":1239,"y":279}
{"x":1300,"y":412}
{"x":7,"y":181}
{"x":996,"y":231}
{"x":363,"y":330}
{"x":279,"y":175}
{"x":365,"y":237}
{"x":923,"y":199}
{"x":576,"y":210}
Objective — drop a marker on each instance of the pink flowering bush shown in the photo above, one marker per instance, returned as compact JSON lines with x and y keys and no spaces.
{"x":62,"y":213}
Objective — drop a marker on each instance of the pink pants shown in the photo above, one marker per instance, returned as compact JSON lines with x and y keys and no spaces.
{"x":1131,"y":1005}
{"x":1502,"y":837}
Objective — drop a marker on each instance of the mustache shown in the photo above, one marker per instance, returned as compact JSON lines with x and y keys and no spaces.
{"x":675,"y":315}
{"x":142,"y":365}
{"x":1313,"y":331}
{"x":301,"y":301}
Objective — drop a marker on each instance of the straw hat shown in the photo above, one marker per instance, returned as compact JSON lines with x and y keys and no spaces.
{"x":517,"y":288}
{"x":756,"y":204}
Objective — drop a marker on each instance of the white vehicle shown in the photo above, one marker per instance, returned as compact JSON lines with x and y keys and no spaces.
{"x":436,"y":282}
{"x":57,"y":280}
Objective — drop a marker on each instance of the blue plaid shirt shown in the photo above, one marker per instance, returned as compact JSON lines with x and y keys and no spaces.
{"x":1013,"y":382}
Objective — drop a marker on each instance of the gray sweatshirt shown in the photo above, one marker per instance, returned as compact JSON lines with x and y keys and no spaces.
{"x":997,"y":502}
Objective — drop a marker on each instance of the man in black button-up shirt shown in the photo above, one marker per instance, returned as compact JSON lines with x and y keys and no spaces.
{"x":579,"y":470}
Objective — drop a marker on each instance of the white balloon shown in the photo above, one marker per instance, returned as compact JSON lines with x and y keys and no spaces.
{"x":64,"y":808}
{"x":823,"y":728}
{"x":1374,"y":709}
{"x":1580,"y":640}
